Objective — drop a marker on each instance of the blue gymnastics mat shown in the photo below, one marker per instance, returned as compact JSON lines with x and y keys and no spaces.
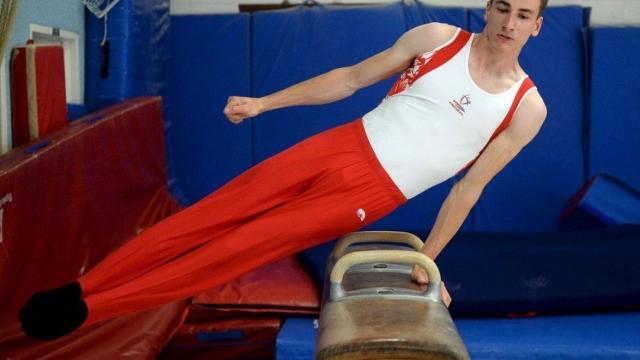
{"x":615,"y":84}
{"x":584,"y":337}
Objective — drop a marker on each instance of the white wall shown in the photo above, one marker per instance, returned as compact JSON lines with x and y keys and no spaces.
{"x":604,"y":12}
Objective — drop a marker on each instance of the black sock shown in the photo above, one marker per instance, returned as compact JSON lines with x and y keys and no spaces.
{"x":50,"y":314}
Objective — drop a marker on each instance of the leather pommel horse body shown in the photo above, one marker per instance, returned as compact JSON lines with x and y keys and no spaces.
{"x":373,"y":310}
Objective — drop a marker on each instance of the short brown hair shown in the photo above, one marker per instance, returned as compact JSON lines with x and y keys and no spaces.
{"x":543,"y":5}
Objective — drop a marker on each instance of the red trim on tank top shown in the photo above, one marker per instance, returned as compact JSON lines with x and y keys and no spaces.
{"x":439,"y":58}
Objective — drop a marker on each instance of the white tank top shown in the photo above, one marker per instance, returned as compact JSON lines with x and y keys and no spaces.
{"x":436,"y":121}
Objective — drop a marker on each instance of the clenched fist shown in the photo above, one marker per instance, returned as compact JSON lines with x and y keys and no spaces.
{"x":420,"y":276}
{"x":239,"y":108}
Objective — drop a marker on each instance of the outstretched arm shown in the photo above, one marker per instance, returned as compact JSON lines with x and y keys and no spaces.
{"x":465,"y":193}
{"x":342,"y":82}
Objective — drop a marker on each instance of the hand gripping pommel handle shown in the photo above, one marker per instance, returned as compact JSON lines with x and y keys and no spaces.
{"x":392,"y":256}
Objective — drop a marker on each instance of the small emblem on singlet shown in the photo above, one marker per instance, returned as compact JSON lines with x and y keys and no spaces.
{"x":459,"y":105}
{"x":361,"y":214}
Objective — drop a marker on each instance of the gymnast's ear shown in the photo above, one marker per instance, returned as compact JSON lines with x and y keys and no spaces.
{"x":538,"y":26}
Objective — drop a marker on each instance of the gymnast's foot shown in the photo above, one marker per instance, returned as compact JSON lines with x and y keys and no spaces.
{"x":50,"y":314}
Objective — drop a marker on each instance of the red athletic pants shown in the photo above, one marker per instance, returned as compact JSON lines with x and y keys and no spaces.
{"x":324,"y":187}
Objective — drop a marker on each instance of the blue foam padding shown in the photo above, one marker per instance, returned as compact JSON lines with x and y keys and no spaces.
{"x":75,"y":111}
{"x":138,"y":35}
{"x":113,"y":86}
{"x":418,"y":13}
{"x":210,"y":62}
{"x":585,"y":337}
{"x":604,"y":201}
{"x":531,"y":192}
{"x":495,"y":274}
{"x":314,"y":40}
{"x":297,"y":339}
{"x":588,"y":337}
{"x":615,"y":85}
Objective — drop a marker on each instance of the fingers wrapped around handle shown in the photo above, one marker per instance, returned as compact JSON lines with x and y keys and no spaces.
{"x":389,"y":256}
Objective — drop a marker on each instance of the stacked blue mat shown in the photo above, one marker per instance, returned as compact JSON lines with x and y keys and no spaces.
{"x":134,"y":58}
{"x":511,"y":235}
{"x":601,"y":336}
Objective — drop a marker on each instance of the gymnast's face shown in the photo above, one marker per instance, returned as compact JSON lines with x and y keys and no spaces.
{"x":510,"y":23}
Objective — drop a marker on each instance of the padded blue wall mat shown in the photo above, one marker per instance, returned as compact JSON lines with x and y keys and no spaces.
{"x":531,"y":192}
{"x":604,"y":201}
{"x":296,"y":44}
{"x":581,"y":271}
{"x":297,"y":339}
{"x":615,"y":85}
{"x":210,"y":62}
{"x":585,"y":337}
{"x":418,"y":13}
{"x":138,"y":52}
{"x":498,"y":274}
